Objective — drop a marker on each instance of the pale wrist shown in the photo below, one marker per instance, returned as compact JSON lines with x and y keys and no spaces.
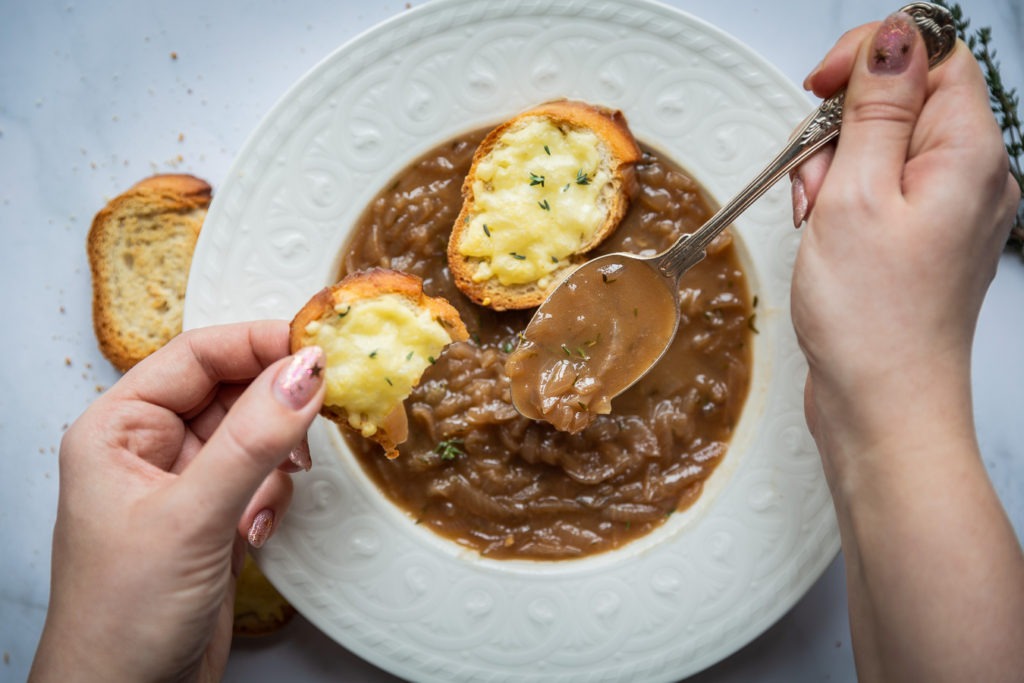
{"x":61,"y":659}
{"x":884,"y":436}
{"x":70,"y":651}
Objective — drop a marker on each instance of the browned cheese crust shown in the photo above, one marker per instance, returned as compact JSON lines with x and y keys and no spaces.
{"x":623,"y":153}
{"x":367,"y":284}
{"x":140,"y":249}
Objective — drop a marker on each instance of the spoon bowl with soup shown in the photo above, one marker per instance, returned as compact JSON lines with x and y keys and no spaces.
{"x":612,"y":319}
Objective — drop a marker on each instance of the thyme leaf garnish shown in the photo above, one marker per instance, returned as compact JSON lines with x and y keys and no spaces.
{"x":536,"y":180}
{"x":449,"y":449}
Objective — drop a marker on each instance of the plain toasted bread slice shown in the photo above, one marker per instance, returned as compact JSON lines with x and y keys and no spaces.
{"x":379,"y":332}
{"x":259,"y":608}
{"x":543,"y":189}
{"x":140,"y":249}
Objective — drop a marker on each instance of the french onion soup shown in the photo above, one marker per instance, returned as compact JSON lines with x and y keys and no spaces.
{"x":569,"y":362}
{"x":477,"y":472}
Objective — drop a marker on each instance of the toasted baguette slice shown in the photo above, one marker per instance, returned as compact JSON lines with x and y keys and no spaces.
{"x":379,"y":332}
{"x":543,"y":189}
{"x":140,"y":248}
{"x":259,"y":609}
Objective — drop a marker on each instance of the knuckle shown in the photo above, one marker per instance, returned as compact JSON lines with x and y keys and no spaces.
{"x":252,"y":439}
{"x":880,"y":111}
{"x":239,"y":438}
{"x":846,"y":199}
{"x":993,"y":163}
{"x":1013,"y":191}
{"x":68,"y":446}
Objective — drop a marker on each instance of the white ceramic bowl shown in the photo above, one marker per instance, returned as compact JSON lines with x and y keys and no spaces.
{"x":668,"y":605}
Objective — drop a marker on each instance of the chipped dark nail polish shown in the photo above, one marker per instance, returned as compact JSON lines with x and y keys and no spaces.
{"x":893,"y":45}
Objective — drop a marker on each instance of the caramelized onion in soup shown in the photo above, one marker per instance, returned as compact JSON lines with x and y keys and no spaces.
{"x":477,"y":472}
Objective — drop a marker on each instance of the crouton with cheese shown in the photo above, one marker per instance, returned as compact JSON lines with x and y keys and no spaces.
{"x":543,"y":189}
{"x":379,"y":333}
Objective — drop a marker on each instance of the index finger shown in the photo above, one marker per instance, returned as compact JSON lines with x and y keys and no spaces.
{"x":833,"y":72}
{"x":182,"y":375}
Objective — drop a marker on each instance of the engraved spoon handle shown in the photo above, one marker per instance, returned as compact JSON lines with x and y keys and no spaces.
{"x":936,"y":26}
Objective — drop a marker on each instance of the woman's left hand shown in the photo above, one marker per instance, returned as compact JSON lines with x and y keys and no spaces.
{"x":161,"y":480}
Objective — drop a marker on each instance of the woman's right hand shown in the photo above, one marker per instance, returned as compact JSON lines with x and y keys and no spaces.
{"x":905,"y":225}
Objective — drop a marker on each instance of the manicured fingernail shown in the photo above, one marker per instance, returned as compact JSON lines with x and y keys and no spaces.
{"x":810,"y":76}
{"x":300,"y":456}
{"x":261,"y":527}
{"x":299,"y":381}
{"x":893,"y":45}
{"x":799,"y":201}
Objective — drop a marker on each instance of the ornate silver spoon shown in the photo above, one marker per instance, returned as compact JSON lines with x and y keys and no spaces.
{"x":584,"y":346}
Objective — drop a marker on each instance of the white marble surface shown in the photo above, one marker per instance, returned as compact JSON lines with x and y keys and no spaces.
{"x":94,"y":96}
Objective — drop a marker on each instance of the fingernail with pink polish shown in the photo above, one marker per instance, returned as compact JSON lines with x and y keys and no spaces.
{"x":261,"y":527}
{"x":300,"y":456}
{"x":799,"y":201}
{"x":893,"y":45}
{"x":811,"y":75}
{"x":299,"y":381}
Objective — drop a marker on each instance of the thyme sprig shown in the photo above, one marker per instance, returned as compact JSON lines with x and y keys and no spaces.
{"x":1005,"y":105}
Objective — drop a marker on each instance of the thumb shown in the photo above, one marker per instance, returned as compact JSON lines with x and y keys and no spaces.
{"x":883,"y":101}
{"x":255,"y":436}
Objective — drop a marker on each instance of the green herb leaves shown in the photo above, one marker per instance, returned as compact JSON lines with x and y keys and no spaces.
{"x":449,"y":449}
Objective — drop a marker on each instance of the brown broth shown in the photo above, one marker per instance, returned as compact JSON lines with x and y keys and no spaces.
{"x":476,"y":471}
{"x":583,"y":347}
